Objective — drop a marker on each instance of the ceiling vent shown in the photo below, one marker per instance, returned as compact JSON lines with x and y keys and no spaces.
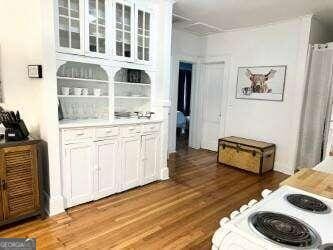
{"x":176,"y":19}
{"x":202,"y":29}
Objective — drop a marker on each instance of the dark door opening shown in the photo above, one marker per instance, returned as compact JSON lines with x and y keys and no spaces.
{"x":183,"y":105}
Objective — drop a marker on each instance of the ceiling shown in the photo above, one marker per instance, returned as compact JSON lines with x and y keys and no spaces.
{"x":234,"y":14}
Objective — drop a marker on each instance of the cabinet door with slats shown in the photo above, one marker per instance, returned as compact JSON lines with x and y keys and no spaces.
{"x":20,"y":190}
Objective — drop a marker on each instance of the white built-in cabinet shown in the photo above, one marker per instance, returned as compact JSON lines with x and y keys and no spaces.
{"x":131,"y":162}
{"x":114,"y":29}
{"x":150,"y":160}
{"x":107,"y":161}
{"x":78,"y":162}
{"x":100,"y":161}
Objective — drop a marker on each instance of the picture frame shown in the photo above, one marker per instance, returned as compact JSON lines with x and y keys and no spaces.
{"x":261,"y":83}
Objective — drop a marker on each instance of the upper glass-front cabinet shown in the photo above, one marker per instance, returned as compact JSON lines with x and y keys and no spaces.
{"x":105,"y":28}
{"x":143,"y":35}
{"x":98,"y":28}
{"x":70,"y":25}
{"x":123,"y":30}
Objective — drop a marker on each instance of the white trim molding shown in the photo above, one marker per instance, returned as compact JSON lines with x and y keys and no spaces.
{"x":53,"y":205}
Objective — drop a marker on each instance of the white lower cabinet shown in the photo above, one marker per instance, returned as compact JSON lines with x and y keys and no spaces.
{"x":106,"y":160}
{"x":150,"y":154}
{"x":95,"y":168}
{"x":78,"y":173}
{"x":131,"y":162}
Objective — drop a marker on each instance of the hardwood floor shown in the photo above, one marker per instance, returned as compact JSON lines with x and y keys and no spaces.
{"x":180,"y":213}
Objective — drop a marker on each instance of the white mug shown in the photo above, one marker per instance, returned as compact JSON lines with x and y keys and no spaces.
{"x":84,"y":91}
{"x":77,"y":91}
{"x":97,"y":92}
{"x":65,"y":90}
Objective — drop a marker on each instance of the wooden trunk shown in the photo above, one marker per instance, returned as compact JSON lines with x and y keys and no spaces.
{"x":20,"y":180}
{"x":254,"y":156}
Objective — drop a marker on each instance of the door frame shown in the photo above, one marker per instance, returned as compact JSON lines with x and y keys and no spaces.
{"x":195,"y":61}
{"x":226,"y":103}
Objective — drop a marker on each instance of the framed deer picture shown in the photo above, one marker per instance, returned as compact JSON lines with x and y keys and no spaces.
{"x":261,"y":83}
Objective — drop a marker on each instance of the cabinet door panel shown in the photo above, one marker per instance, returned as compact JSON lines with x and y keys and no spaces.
{"x":131,"y":167}
{"x":20,"y":190}
{"x":150,"y":150}
{"x":78,"y":170}
{"x":98,"y":27}
{"x":143,"y":35}
{"x":107,"y":161}
{"x":124,"y":23}
{"x":70,"y":25}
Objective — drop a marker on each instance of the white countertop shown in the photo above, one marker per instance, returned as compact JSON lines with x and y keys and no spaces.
{"x":95,"y":123}
{"x":326,"y":165}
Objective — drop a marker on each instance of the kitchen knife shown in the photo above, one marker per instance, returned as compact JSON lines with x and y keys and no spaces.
{"x":18,"y":116}
{"x":9,"y":120}
{"x":13,"y":116}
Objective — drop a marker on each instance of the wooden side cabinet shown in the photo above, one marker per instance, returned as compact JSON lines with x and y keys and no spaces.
{"x":20,"y":180}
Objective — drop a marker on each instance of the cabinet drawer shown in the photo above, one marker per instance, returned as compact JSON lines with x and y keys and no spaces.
{"x":107,"y":132}
{"x":151,"y":128}
{"x":70,"y":135}
{"x":130,"y":130}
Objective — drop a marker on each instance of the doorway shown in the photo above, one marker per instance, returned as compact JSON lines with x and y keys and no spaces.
{"x":183,"y":105}
{"x":212,"y":105}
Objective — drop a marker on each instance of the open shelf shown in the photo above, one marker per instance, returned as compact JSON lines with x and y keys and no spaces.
{"x":134,"y":83}
{"x":84,"y":76}
{"x":82,"y":96}
{"x":81,"y":79}
{"x":132,"y":97}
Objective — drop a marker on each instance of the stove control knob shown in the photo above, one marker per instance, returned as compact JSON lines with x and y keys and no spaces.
{"x":224,"y":221}
{"x":234,"y":214}
{"x":252,"y":202}
{"x":243,"y":208}
{"x":265,"y":193}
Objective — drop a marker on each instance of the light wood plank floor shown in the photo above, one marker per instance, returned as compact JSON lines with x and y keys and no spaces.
{"x":180,"y":213}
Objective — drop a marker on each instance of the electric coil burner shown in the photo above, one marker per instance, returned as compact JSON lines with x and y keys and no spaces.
{"x":283,"y":229}
{"x":307,"y":203}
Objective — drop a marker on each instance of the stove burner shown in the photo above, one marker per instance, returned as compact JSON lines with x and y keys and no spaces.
{"x":307,"y":203}
{"x":326,"y":247}
{"x":284,"y":229}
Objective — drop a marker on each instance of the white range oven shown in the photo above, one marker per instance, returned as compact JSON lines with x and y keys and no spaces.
{"x":287,"y":218}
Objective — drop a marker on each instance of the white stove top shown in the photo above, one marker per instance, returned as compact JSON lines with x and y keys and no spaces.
{"x":276,"y":202}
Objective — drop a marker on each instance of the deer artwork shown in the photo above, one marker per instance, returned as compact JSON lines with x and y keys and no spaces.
{"x":259,"y":81}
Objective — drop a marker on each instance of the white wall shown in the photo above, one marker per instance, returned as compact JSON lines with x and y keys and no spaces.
{"x":186,"y":44}
{"x":283,"y":43}
{"x":27,"y":37}
{"x":21,"y":45}
{"x":188,"y":48}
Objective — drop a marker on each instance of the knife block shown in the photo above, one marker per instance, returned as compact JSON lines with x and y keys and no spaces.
{"x":17,"y":132}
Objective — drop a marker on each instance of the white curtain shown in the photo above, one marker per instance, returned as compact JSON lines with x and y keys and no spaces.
{"x":317,"y":107}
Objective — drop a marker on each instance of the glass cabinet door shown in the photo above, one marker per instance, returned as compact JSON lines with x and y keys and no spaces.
{"x":97,"y":26}
{"x":143,"y":36}
{"x":69,"y":24}
{"x":123,"y":30}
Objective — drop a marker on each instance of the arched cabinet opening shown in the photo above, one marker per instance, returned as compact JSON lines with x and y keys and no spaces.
{"x":83,"y":91}
{"x":132,"y":90}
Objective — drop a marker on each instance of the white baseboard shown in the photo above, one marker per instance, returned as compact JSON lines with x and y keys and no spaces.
{"x":53,"y":205}
{"x":164,"y":174}
{"x":283,"y":169}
